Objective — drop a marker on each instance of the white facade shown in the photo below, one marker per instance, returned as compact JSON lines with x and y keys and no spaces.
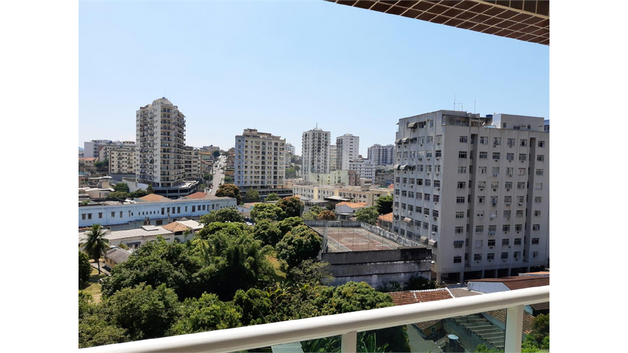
{"x":476,"y":189}
{"x":157,"y":212}
{"x":160,"y":131}
{"x":347,"y":149}
{"x":316,"y":152}
{"x":121,"y":159}
{"x":363,"y":168}
{"x":381,"y":155}
{"x":259,"y":160}
{"x":191,"y":163}
{"x":316,"y":192}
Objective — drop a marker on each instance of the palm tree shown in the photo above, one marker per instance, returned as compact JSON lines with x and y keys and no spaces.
{"x":95,"y":245}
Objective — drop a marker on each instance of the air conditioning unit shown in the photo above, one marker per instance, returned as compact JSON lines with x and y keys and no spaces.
{"x":507,"y":189}
{"x":520,"y":203}
{"x":495,"y":175}
{"x":490,"y":247}
{"x":491,"y":233}
{"x":481,"y":189}
{"x":507,"y":203}
{"x":438,"y":189}
{"x":494,"y":189}
{"x":438,"y":158}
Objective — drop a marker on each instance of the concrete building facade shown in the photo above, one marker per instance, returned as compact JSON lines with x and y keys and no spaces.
{"x":381,"y":155}
{"x":160,"y":132}
{"x":476,"y":189}
{"x":333,"y":158}
{"x":259,"y":162}
{"x":347,"y":149}
{"x":363,"y":168}
{"x":121,"y":160}
{"x":316,"y":152}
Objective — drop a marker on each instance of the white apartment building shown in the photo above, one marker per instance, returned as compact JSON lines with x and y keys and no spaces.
{"x":347,"y":149}
{"x":160,"y":131}
{"x":476,"y":189}
{"x":259,"y":161}
{"x":381,"y":155}
{"x":290,"y":150}
{"x":94,"y":148}
{"x":333,"y":158}
{"x":357,"y":194}
{"x":121,"y":159}
{"x":315,"y":149}
{"x":364,"y":168}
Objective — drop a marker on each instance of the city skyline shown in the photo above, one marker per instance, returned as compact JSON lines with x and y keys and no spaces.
{"x":284,"y":67}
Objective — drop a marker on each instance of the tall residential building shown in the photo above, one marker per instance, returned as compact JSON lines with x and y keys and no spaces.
{"x":381,"y":155}
{"x":121,"y":160}
{"x":315,"y":149}
{"x":364,"y":168}
{"x":160,"y":131}
{"x":333,"y":158}
{"x":259,"y":162}
{"x":347,"y":149}
{"x":476,"y":189}
{"x":191,"y":163}
{"x":290,"y":150}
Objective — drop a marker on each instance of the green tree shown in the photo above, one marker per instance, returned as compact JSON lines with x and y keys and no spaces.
{"x":367,"y":215}
{"x":138,"y":193}
{"x":267,"y":232}
{"x":229,"y":190}
{"x":291,"y":173}
{"x":384,"y":204}
{"x":390,"y":286}
{"x":326,"y":216}
{"x":252,"y":195}
{"x":206,"y":313}
{"x":85,"y":269}
{"x":121,"y":187}
{"x":149,"y":189}
{"x":287,"y":224}
{"x":267,"y":211}
{"x":301,"y":243}
{"x":227,"y":214}
{"x":94,"y":330}
{"x":292,"y":206}
{"x":254,"y":304}
{"x":144,"y":311}
{"x":309,"y":272}
{"x":418,"y":282}
{"x":272,"y":197}
{"x":96,"y":244}
{"x":118,"y":196}
{"x":216,"y":153}
{"x":156,"y":263}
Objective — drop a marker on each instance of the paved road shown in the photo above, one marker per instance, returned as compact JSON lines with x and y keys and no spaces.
{"x":219,"y":174}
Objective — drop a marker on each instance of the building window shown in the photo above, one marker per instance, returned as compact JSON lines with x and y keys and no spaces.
{"x":463,"y":139}
{"x":83,"y":216}
{"x":537,"y":199}
{"x":459,"y":215}
{"x":538,"y":186}
{"x":506,"y":228}
{"x":507,"y":213}
{"x":483,"y":155}
{"x":540,"y":158}
{"x":457,"y":259}
{"x":539,"y":172}
{"x":460,"y":199}
{"x":510,"y":156}
{"x":459,"y":230}
{"x":541,"y":143}
{"x":519,"y":213}
{"x":113,"y":214}
{"x":462,"y":170}
{"x":490,"y":256}
{"x":536,"y":227}
{"x":435,"y":198}
{"x":524,"y":143}
{"x":89,"y":216}
{"x":537,"y":213}
{"x":479,"y":229}
{"x":436,"y":183}
{"x":481,"y":184}
{"x":462,"y":185}
{"x":522,"y":156}
{"x":491,"y":242}
{"x":504,"y":255}
{"x":517,"y":241}
{"x":481,"y":199}
{"x":462,"y":154}
{"x":497,"y":141}
{"x":521,"y":185}
{"x":510,"y":142}
{"x":482,"y":170}
{"x":484,"y":140}
{"x":496,"y":155}
{"x":477,"y":257}
{"x":535,"y":240}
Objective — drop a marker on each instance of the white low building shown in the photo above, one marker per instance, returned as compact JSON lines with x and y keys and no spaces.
{"x":152,"y":209}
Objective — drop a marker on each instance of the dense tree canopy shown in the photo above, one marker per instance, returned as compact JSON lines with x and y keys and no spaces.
{"x":301,"y":243}
{"x":85,"y":269}
{"x":384,"y":204}
{"x":252,"y":195}
{"x":123,"y":187}
{"x":292,"y":206}
{"x":267,"y":232}
{"x":227,"y":214}
{"x":229,"y":190}
{"x":272,"y":197}
{"x":206,"y":313}
{"x":267,"y":211}
{"x":326,"y":216}
{"x":367,"y":215}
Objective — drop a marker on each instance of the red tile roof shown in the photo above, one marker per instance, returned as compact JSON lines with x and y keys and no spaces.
{"x":154,"y":198}
{"x":353,"y":204}
{"x":386,"y":217}
{"x":415,"y":296}
{"x":196,"y":195}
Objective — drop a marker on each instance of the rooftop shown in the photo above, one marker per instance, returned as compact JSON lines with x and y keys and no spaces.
{"x":517,"y":282}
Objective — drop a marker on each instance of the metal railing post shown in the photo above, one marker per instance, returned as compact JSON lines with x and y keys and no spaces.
{"x":514,"y":329}
{"x":349,"y":342}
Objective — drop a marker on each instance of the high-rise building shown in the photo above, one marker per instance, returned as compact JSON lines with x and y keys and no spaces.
{"x":364,"y":168}
{"x":191,"y":163}
{"x":475,"y":189}
{"x":160,"y":131}
{"x":381,"y":155}
{"x":259,"y":162}
{"x":347,"y":149}
{"x":333,"y":158}
{"x":121,"y":160}
{"x":290,"y":150}
{"x":315,"y":149}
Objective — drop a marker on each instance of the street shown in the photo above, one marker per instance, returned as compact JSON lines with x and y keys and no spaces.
{"x":219,"y":174}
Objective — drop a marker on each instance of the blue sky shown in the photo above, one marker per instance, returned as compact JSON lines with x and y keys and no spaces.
{"x":285,"y":66}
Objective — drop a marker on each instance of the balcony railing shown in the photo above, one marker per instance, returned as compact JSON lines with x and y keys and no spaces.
{"x":347,"y":325}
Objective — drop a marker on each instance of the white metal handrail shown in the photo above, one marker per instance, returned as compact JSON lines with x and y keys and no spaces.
{"x":347,"y":324}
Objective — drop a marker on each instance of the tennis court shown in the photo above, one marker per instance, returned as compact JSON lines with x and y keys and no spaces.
{"x":346,"y":239}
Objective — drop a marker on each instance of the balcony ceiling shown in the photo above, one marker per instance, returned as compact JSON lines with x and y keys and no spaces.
{"x":523,"y":20}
